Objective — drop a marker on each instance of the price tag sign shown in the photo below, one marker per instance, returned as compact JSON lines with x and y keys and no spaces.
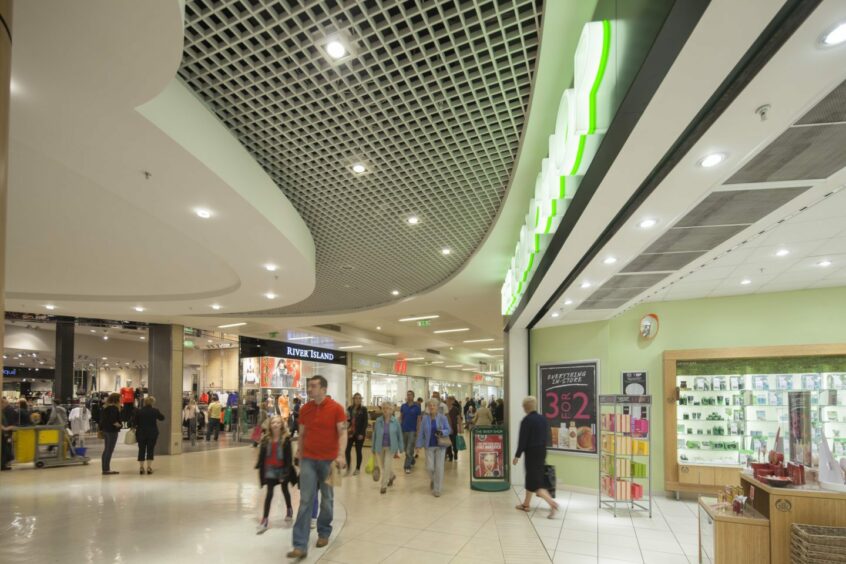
{"x":568,"y":401}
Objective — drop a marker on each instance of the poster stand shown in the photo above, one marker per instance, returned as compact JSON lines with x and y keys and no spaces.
{"x":489,"y":459}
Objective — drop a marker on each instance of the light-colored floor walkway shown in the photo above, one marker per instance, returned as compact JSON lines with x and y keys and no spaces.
{"x":203,"y":507}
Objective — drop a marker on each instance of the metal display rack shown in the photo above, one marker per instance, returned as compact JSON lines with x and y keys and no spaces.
{"x":625,"y":451}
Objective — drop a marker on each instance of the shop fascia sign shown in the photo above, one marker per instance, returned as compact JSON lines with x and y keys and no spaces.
{"x":584,"y":114}
{"x":309,"y":353}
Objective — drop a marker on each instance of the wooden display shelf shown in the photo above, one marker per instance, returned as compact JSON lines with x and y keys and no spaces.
{"x":728,"y":538}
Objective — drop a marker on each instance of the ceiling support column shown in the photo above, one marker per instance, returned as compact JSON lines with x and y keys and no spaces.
{"x":164,"y":381}
{"x":517,"y":379}
{"x":5,"y":80}
{"x":63,"y":380}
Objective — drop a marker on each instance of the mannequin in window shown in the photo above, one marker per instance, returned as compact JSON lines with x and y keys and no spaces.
{"x":127,"y":400}
{"x":284,"y":405}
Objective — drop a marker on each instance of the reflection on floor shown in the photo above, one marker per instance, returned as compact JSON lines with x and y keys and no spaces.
{"x":204,"y":507}
{"x":122,"y":450}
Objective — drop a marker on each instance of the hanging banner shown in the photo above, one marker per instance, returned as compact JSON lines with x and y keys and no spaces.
{"x":567,"y":393}
{"x":634,"y":383}
{"x":489,"y":456}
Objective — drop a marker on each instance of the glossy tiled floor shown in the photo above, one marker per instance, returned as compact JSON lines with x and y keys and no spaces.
{"x":204,"y":506}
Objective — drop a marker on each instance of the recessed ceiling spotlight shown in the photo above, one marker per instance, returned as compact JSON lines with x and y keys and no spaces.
{"x":378,"y":327}
{"x":143,"y":338}
{"x":105,"y":358}
{"x":712,"y":160}
{"x":745,"y":282}
{"x":413,"y":220}
{"x":446,"y":251}
{"x":210,"y":341}
{"x":139,"y":309}
{"x":203,"y":213}
{"x":555,"y":314}
{"x":270,"y":296}
{"x":359,"y":168}
{"x":609,"y":260}
{"x":51,"y":307}
{"x":336,"y":49}
{"x":648,"y":223}
{"x":568,"y":302}
{"x":270,"y":267}
{"x":782,"y":253}
{"x":395,"y":292}
{"x":93,"y":330}
{"x":835,"y":37}
{"x":825,"y":263}
{"x":585,"y":285}
{"x":105,"y":337}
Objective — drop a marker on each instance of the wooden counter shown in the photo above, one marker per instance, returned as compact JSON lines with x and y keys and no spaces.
{"x":728,"y":538}
{"x":785,"y":506}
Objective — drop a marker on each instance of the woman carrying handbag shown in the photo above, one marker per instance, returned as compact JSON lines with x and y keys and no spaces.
{"x":276,"y":466}
{"x":434,"y":437}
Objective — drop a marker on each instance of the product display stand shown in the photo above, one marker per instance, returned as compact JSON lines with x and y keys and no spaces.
{"x":625,"y":456}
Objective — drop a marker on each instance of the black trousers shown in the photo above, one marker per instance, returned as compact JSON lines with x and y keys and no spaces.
{"x":109,"y":442}
{"x":358,"y":444}
{"x":271,"y":485}
{"x":126,"y":412}
{"x":146,"y":446}
{"x":452,"y":451}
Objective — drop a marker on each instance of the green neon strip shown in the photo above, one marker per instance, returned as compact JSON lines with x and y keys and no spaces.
{"x":550,"y":219}
{"x":562,"y":186}
{"x":603,"y":63}
{"x":537,"y":243}
{"x":580,"y":152}
{"x":526,"y":272}
{"x":537,"y":217}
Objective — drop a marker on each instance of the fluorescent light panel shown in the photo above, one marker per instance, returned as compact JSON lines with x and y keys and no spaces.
{"x":388,"y":354}
{"x":452,"y":366}
{"x":414,"y":358}
{"x":300,"y":338}
{"x":350,"y":347}
{"x":479,"y":340}
{"x":438,"y":332}
{"x":495,"y":349}
{"x":419,"y":318}
{"x":228,"y":325}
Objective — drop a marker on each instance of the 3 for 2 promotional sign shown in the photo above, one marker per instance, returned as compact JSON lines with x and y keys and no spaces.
{"x":568,"y":401}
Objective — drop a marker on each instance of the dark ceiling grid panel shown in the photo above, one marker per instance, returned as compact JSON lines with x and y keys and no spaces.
{"x":433,"y":101}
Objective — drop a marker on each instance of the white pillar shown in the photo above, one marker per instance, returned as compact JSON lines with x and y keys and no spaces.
{"x":516,"y":388}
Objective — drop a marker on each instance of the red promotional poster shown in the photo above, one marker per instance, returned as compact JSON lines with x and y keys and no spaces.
{"x":488,"y":449}
{"x":280,"y":372}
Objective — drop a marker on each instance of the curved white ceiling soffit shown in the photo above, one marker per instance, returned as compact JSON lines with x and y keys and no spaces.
{"x":431,"y":101}
{"x":110,"y":158}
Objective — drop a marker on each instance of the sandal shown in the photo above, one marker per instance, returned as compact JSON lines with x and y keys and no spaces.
{"x":553,"y":511}
{"x":522,"y":507}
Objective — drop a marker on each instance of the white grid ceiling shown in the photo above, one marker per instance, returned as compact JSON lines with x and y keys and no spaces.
{"x":433,"y":101}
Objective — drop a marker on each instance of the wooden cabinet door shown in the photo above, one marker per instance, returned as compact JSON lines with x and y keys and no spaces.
{"x":727,"y":477}
{"x":706,"y":476}
{"x":688,"y":474}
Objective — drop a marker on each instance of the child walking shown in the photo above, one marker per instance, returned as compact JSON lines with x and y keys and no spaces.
{"x":275,"y":466}
{"x":387,"y":442}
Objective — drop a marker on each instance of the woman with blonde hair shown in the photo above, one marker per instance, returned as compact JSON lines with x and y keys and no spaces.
{"x":275,"y":466}
{"x":110,"y":426}
{"x":483,"y":415}
{"x":145,"y":423}
{"x":534,"y":432}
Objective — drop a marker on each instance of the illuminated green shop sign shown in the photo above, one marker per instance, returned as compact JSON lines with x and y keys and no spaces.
{"x":584,"y":114}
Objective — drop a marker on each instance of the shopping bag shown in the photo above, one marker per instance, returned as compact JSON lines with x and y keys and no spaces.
{"x":256,"y":434}
{"x":459,"y":443}
{"x":371,"y":464}
{"x":549,"y":479}
{"x":130,"y":438}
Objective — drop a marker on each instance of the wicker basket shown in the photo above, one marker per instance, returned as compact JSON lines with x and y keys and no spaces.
{"x":813,"y":544}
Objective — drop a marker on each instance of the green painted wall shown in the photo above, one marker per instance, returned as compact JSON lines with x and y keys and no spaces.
{"x":785,"y":318}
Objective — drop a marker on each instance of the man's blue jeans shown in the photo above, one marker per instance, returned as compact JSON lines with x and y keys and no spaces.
{"x":410,"y":438}
{"x":313,"y":475}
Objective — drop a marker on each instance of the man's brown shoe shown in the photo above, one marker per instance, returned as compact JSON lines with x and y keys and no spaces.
{"x":321,"y":542}
{"x":297,"y":553}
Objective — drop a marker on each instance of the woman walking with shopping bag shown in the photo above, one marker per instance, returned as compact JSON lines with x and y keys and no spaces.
{"x":434,"y":437}
{"x":387,"y":441}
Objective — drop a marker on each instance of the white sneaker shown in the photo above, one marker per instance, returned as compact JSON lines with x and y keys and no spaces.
{"x":314,"y":523}
{"x":263,"y":526}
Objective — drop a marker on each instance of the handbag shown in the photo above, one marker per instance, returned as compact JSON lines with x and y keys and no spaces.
{"x":443,"y":441}
{"x":130,"y":438}
{"x":549,"y":479}
{"x":371,"y":464}
{"x":256,"y":435}
{"x":459,"y":443}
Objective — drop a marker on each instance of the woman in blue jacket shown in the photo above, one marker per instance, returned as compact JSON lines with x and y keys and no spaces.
{"x":387,"y":441}
{"x":434,"y":437}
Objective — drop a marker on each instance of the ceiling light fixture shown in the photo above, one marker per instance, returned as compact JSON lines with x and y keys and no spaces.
{"x":648,"y":223}
{"x":301,"y":338}
{"x":452,"y":366}
{"x":388,"y":354}
{"x":414,"y":358}
{"x":139,"y":309}
{"x":413,"y":220}
{"x":215,"y":306}
{"x":143,"y":337}
{"x":568,"y":302}
{"x":836,"y":36}
{"x":350,"y":347}
{"x":782,"y":253}
{"x":419,"y":318}
{"x":270,"y":296}
{"x":609,"y":260}
{"x":270,"y":267}
{"x":585,"y":285}
{"x":745,"y":282}
{"x":441,"y":331}
{"x":105,"y":358}
{"x":92,"y":330}
{"x":712,"y":160}
{"x":336,"y":49}
{"x":105,"y":337}
{"x":437,"y":362}
{"x":359,"y":168}
{"x":378,"y":327}
{"x":203,"y":213}
{"x":395,"y":292}
{"x":479,"y":340}
{"x":230,"y":325}
{"x":555,"y":314}
{"x":51,"y":307}
{"x":494,"y":349}
{"x":825,"y":263}
{"x":445,"y":251}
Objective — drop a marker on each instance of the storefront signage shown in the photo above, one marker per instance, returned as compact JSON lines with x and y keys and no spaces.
{"x":41,"y":373}
{"x":568,"y":399}
{"x":490,"y":459}
{"x":584,"y":114}
{"x":251,"y":347}
{"x":634,"y":383}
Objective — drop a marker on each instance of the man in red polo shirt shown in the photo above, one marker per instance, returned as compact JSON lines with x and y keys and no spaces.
{"x":322,"y":442}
